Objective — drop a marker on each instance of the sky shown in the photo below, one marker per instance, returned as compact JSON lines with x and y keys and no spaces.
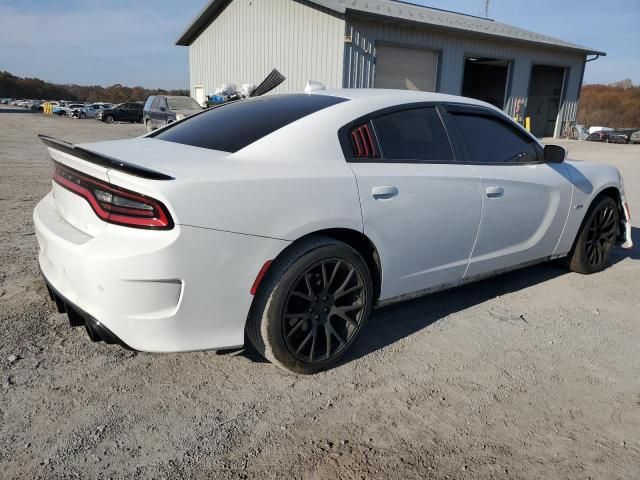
{"x":132,"y":42}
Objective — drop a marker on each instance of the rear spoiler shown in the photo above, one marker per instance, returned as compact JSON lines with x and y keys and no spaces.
{"x":103,"y":160}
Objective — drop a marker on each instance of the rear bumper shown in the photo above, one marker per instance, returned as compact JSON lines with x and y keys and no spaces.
{"x":161,"y":291}
{"x":78,"y":318}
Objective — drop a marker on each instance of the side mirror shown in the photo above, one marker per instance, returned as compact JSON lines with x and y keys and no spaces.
{"x":554,"y":154}
{"x":162,"y":109}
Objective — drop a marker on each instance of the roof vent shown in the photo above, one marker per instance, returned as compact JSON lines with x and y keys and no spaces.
{"x":313,"y":85}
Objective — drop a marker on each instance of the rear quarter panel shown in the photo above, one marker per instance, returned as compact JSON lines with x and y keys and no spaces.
{"x":271,"y":192}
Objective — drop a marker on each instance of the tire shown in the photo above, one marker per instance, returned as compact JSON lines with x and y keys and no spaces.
{"x":139,"y":119}
{"x":83,"y":115}
{"x":148,"y":126}
{"x":108,"y":119}
{"x":301,"y":332}
{"x":598,"y":232}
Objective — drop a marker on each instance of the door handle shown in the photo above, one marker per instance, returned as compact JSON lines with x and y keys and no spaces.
{"x":384,"y":192}
{"x":495,"y":192}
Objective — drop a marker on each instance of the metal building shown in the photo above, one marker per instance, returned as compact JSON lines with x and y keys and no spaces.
{"x":387,"y":44}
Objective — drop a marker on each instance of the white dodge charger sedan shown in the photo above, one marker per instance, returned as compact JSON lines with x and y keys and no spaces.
{"x":285,"y":219}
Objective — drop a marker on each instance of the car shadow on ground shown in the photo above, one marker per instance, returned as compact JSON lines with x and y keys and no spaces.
{"x":390,"y":324}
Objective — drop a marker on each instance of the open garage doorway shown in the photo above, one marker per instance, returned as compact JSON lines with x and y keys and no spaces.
{"x":486,"y":79}
{"x":545,"y":96}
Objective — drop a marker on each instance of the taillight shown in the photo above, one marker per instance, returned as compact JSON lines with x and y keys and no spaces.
{"x":114,"y":204}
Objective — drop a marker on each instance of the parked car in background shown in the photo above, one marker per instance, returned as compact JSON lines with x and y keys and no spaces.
{"x":285,"y":219}
{"x":90,"y":111}
{"x":65,"y":110}
{"x":124,"y":112}
{"x":622,"y":135}
{"x":635,"y":137}
{"x":161,"y":110}
{"x":599,"y":129}
{"x":600,"y":136}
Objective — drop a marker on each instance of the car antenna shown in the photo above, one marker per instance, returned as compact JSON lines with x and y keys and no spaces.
{"x":313,"y":85}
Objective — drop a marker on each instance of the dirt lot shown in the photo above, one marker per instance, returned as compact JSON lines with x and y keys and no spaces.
{"x":535,"y":374}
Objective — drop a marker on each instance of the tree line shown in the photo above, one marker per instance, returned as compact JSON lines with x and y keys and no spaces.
{"x":12,"y":86}
{"x":616,"y":105}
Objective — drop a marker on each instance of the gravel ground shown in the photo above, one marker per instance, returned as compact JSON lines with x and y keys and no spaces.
{"x":534,"y":374}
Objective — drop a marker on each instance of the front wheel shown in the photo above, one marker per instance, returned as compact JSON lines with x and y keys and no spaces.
{"x":108,"y":119}
{"x":311,"y":306}
{"x":148,"y":126}
{"x":596,"y":239}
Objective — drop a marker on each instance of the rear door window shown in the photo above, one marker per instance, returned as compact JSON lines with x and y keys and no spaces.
{"x":413,"y":135}
{"x":233,"y":126}
{"x":492,"y":140}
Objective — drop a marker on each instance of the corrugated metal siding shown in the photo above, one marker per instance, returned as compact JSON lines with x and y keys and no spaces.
{"x":359,"y":60}
{"x":249,"y":38}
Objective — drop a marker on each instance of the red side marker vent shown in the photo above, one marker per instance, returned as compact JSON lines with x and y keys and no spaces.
{"x":362,"y":141}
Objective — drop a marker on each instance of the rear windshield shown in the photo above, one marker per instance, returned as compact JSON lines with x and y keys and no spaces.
{"x":233,"y":126}
{"x":183,"y":103}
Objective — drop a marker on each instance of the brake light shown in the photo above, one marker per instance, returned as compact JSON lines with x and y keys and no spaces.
{"x":114,"y":204}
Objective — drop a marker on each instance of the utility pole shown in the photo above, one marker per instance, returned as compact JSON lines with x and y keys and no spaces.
{"x":485,"y":8}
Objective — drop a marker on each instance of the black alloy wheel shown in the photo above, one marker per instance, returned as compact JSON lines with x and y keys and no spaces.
{"x":324,"y":310}
{"x":597,"y":237}
{"x":312,"y":305}
{"x":601,"y":235}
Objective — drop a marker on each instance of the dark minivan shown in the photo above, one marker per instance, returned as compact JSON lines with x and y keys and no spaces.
{"x":125,"y":112}
{"x":161,"y":110}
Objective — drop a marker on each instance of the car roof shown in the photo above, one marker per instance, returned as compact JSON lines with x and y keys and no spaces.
{"x":398,"y":97}
{"x":362,"y":93}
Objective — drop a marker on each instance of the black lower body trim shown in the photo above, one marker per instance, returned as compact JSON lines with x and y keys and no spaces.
{"x":96,"y":331}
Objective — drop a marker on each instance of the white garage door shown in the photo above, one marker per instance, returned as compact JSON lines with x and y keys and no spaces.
{"x":406,"y":68}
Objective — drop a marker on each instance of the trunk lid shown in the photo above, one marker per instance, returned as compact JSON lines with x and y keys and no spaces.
{"x":142,"y":165}
{"x":171,"y":159}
